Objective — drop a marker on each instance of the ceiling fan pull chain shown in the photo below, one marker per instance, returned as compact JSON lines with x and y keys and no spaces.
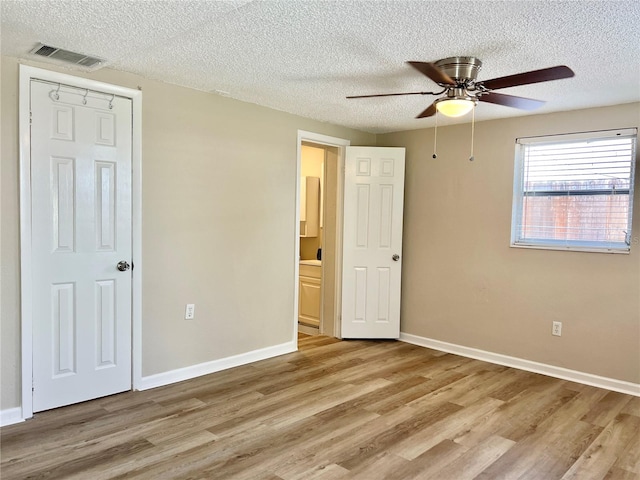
{"x":473,"y":124}
{"x":435,"y":137}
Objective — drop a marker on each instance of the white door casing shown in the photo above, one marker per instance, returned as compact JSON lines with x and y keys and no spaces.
{"x":340,"y":144}
{"x":372,"y":242}
{"x":76,"y":217}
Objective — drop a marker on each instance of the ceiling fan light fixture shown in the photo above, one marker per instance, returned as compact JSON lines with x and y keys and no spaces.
{"x":454,"y":107}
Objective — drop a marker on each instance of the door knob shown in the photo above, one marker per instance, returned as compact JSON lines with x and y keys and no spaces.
{"x":123,"y":266}
{"x":395,"y":257}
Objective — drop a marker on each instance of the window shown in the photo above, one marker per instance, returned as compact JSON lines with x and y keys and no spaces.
{"x":574,"y":192}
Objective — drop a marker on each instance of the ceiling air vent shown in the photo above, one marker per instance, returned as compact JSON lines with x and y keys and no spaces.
{"x":67,"y":57}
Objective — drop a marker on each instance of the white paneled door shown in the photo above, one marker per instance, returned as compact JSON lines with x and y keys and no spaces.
{"x":81,"y":229}
{"x":372,"y":242}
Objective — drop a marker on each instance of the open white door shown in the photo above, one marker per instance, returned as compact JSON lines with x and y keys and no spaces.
{"x":81,"y":154}
{"x":372,"y":242}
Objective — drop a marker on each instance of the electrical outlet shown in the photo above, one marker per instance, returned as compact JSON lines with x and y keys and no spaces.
{"x":189,"y":311}
{"x":556,"y":329}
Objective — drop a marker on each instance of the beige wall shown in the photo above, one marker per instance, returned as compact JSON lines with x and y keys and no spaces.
{"x":330,"y":268}
{"x":218,"y":231}
{"x":463,"y":284}
{"x":219,"y":183}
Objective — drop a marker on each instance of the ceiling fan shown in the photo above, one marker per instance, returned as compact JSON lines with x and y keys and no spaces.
{"x":457,"y":75}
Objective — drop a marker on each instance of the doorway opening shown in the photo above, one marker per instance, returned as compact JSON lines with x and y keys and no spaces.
{"x":319,"y":234}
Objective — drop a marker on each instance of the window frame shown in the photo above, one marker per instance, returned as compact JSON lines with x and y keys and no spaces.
{"x":519,"y":194}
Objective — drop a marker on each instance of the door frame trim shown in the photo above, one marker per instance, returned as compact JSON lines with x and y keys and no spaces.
{"x":28,"y":73}
{"x":340,"y":144}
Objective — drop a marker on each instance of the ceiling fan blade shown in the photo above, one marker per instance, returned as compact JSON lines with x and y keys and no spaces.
{"x":392,"y":94}
{"x":525,"y":78}
{"x":511,"y":101}
{"x":433,"y":72}
{"x":428,"y":112}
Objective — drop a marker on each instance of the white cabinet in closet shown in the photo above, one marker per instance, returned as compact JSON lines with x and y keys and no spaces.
{"x":309,"y":297}
{"x":309,"y":206}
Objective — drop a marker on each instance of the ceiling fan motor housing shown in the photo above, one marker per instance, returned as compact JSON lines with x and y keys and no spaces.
{"x":460,"y":69}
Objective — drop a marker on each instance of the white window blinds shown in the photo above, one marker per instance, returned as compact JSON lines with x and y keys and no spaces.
{"x":575,"y":191}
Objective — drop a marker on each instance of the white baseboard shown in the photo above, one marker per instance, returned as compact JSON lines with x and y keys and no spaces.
{"x":186,"y":373}
{"x":11,"y":416}
{"x":528,"y":365}
{"x":308,"y":330}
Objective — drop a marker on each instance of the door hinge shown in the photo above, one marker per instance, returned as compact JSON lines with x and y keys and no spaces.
{"x":30,"y":117}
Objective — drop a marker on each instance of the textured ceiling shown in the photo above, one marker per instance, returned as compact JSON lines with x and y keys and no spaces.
{"x":304,"y":57}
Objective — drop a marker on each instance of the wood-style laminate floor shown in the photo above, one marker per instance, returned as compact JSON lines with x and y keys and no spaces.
{"x":339,"y":410}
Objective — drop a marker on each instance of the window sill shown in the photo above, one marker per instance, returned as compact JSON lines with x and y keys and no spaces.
{"x":564,"y":248}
